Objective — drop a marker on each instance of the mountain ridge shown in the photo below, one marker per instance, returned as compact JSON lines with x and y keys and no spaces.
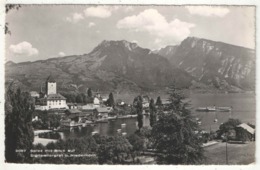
{"x":112,"y":65}
{"x":216,"y":63}
{"x":124,"y":66}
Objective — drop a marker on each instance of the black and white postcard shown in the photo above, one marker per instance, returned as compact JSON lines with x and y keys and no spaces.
{"x":129,"y":84}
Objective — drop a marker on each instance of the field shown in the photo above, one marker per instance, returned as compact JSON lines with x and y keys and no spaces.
{"x":238,"y":154}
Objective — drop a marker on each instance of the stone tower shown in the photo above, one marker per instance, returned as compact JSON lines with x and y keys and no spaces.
{"x":51,"y":85}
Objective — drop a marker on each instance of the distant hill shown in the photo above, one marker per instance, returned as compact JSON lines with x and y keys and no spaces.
{"x":217,"y":64}
{"x":111,"y":66}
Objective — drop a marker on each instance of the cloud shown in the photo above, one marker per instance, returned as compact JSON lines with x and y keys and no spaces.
{"x":76,"y":17}
{"x":99,"y":11}
{"x":134,"y":41}
{"x":61,"y":54}
{"x":154,"y":23}
{"x":157,"y":41}
{"x":23,"y":49}
{"x":91,"y":24}
{"x":208,"y":11}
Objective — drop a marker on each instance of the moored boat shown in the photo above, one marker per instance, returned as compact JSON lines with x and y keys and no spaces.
{"x":213,"y":109}
{"x":111,"y":117}
{"x":206,"y":109}
{"x":224,"y":109}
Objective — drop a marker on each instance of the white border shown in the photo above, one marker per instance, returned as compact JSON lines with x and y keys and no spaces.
{"x":120,"y":2}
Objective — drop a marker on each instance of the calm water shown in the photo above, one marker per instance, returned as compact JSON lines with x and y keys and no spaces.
{"x":244,"y":108}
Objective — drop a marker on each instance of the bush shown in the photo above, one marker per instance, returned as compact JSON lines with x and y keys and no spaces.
{"x":52,"y":135}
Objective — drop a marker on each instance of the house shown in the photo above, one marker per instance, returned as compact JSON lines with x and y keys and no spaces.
{"x":56,"y":101}
{"x":248,"y":129}
{"x":34,"y":94}
{"x":146,"y":101}
{"x":104,"y":111}
{"x":165,"y":102}
{"x":88,"y":107}
{"x":73,"y":117}
{"x":90,"y":111}
{"x":73,"y":105}
{"x":52,"y":99}
{"x":96,"y":102}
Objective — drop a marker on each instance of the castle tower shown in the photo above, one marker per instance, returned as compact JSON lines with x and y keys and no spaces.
{"x":51,"y":86}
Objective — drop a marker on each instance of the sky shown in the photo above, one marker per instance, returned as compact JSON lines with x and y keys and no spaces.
{"x":39,"y":32}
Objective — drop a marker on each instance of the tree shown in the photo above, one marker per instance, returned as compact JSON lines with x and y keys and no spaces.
{"x":9,"y":7}
{"x":158,"y":101}
{"x":152,"y":113}
{"x":113,"y":150}
{"x":89,"y":93}
{"x":228,"y":127}
{"x":138,"y":143}
{"x":242,"y":134}
{"x":138,"y":105}
{"x":79,"y":98}
{"x":84,"y":98}
{"x":111,"y":101}
{"x":174,"y":133}
{"x":18,"y":125}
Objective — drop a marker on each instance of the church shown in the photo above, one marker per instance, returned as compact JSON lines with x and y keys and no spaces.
{"x":51,"y":99}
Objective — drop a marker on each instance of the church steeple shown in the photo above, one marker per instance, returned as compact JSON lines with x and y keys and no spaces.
{"x":51,"y":86}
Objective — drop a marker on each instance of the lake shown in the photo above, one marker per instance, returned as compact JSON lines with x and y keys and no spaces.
{"x":243,"y":104}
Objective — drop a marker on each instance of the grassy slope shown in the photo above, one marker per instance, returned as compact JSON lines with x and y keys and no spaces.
{"x":238,"y":154}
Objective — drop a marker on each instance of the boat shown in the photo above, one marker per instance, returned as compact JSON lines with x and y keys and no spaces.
{"x":123,"y":125}
{"x":206,"y":109}
{"x":215,"y":120}
{"x":224,"y":109}
{"x":93,"y":133}
{"x":213,"y":109}
{"x":124,"y":133}
{"x":111,"y":117}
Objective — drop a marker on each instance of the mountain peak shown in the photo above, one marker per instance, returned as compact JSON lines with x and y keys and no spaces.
{"x":8,"y":63}
{"x":192,"y":38}
{"x":122,"y":43}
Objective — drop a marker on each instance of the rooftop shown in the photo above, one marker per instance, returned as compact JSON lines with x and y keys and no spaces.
{"x":73,"y":111}
{"x":103,"y":109}
{"x":55,"y":97}
{"x":247,"y":128}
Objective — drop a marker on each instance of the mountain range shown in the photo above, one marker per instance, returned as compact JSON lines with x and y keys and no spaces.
{"x":123,"y":66}
{"x":214,"y":63}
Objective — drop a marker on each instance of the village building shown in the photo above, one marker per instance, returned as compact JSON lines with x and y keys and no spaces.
{"x":103,"y":112}
{"x":52,"y":99}
{"x":34,"y":94}
{"x":249,"y":130}
{"x":73,"y":105}
{"x":146,"y":101}
{"x":96,"y":102}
